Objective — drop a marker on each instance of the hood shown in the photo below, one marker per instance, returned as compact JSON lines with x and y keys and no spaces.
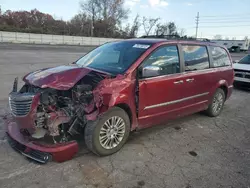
{"x":61,"y":77}
{"x":241,"y":66}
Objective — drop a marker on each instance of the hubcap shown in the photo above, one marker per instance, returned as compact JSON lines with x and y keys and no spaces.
{"x":112,"y":132}
{"x":218,"y":102}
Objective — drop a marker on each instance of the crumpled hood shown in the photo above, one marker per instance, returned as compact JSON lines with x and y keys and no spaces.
{"x":61,"y":77}
{"x":241,"y":66}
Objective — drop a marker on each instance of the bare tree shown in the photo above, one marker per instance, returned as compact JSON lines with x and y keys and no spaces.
{"x":168,"y":28}
{"x":91,"y":8}
{"x":226,"y":38}
{"x":105,"y":12}
{"x":148,"y":24}
{"x":135,"y":27}
{"x":182,"y":32}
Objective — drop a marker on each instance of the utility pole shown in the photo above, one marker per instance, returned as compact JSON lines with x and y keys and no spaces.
{"x":197,"y":24}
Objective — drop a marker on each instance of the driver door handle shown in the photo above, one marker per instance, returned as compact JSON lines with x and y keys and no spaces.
{"x":190,"y":80}
{"x":178,"y":82}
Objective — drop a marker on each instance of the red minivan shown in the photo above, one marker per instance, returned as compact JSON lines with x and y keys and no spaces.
{"x":115,"y":89}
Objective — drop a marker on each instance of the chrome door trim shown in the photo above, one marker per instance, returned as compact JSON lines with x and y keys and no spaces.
{"x":175,"y":101}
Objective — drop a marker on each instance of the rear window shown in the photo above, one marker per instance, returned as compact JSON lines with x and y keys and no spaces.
{"x":220,"y":57}
{"x":195,"y":57}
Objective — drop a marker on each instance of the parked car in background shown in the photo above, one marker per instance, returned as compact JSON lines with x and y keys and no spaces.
{"x":242,"y":71}
{"x":234,"y":45}
{"x":117,"y":88}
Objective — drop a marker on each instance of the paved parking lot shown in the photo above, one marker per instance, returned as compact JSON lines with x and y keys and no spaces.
{"x":194,"y":151}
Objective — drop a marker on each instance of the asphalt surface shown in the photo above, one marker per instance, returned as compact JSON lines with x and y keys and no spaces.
{"x":194,"y":151}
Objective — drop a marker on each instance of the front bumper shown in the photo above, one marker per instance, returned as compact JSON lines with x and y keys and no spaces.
{"x":39,"y":152}
{"x":243,"y":80}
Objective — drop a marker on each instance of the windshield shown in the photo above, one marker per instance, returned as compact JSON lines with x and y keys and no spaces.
{"x":114,"y":58}
{"x":245,"y":60}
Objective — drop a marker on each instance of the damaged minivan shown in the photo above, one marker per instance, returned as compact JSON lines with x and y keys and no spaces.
{"x":116,"y":88}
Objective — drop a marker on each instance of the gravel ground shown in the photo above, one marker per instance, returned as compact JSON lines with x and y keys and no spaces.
{"x":194,"y":151}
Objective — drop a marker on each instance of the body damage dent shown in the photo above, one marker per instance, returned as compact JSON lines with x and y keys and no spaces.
{"x":114,"y":91}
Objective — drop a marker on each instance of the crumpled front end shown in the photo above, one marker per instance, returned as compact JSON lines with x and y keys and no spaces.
{"x":45,"y":121}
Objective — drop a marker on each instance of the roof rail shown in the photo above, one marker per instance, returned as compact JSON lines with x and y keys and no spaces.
{"x":175,"y":37}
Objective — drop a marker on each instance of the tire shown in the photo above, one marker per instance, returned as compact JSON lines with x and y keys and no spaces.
{"x":216,"y":106}
{"x":92,"y":132}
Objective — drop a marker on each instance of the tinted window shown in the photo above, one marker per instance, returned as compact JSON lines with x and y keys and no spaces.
{"x":219,"y":56}
{"x":245,"y":60}
{"x":115,"y":57}
{"x":167,"y":58}
{"x":195,"y":57}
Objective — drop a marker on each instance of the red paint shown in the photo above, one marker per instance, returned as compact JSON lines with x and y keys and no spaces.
{"x":61,"y":78}
{"x":60,"y":152}
{"x":120,"y":91}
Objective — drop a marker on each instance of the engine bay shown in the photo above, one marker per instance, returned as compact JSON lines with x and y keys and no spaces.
{"x":59,"y":114}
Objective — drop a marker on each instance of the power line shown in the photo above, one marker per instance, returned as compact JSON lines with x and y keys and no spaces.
{"x":222,"y":19}
{"x":228,"y":15}
{"x":224,"y":26}
{"x":239,"y":21}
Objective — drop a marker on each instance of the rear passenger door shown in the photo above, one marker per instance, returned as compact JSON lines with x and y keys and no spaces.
{"x":197,"y":78}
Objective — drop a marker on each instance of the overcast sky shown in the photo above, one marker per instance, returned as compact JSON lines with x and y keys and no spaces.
{"x":226,"y":17}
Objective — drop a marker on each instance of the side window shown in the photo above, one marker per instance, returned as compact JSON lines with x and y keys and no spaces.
{"x":220,"y":57}
{"x":195,"y":57}
{"x":166,"y":58}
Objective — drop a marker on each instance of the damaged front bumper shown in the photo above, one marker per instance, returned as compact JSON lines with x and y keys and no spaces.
{"x":41,"y":153}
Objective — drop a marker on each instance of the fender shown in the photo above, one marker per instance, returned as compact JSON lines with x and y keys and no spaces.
{"x":221,"y":83}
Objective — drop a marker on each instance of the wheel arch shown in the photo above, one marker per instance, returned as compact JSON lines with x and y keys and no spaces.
{"x":127,"y":109}
{"x":225,"y":89}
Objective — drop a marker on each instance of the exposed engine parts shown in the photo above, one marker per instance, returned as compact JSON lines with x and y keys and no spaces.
{"x":62,"y":113}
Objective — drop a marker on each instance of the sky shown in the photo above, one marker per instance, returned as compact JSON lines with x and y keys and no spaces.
{"x":229,"y":18}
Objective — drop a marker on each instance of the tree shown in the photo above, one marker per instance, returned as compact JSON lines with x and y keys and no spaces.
{"x":182,"y":32}
{"x":108,"y":14}
{"x":168,"y":28}
{"x":218,"y":37}
{"x":148,"y":24}
{"x":135,"y":27}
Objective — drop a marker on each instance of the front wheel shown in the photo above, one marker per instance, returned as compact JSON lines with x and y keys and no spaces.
{"x":109,"y":133}
{"x":216,"y":106}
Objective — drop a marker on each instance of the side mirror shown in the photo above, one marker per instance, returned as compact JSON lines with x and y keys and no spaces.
{"x":235,"y":61}
{"x":151,"y":71}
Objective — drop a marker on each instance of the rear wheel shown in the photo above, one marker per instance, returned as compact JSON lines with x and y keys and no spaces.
{"x":109,"y":133}
{"x":216,"y":106}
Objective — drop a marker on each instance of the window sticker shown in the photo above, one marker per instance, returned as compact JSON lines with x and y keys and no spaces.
{"x":142,"y":46}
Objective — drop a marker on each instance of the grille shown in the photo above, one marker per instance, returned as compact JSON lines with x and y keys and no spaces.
{"x":238,"y":75}
{"x":20,"y":104}
{"x":238,"y":70}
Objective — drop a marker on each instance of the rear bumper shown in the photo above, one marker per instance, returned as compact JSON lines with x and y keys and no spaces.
{"x":36,"y":151}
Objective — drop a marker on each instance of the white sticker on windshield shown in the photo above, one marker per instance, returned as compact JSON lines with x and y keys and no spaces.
{"x":143,"y":46}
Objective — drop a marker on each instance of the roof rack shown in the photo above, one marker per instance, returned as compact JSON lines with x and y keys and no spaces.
{"x":175,"y":37}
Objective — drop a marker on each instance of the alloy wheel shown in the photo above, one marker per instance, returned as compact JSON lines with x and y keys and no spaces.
{"x":218,"y":103}
{"x":112,"y":132}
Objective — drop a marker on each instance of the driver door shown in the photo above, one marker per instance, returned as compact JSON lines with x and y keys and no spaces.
{"x":159,"y":94}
